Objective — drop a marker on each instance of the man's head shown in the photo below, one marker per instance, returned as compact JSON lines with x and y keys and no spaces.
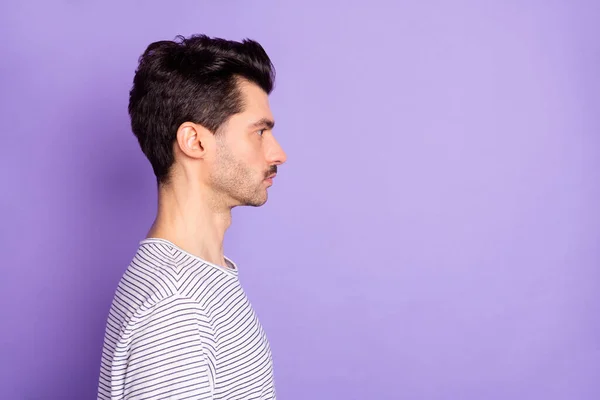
{"x":199,"y":108}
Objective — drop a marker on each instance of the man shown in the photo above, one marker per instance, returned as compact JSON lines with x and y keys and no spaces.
{"x":180,"y":326}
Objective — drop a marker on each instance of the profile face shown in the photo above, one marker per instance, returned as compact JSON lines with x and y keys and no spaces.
{"x":247,"y":153}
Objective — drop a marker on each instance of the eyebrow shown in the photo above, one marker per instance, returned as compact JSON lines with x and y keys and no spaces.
{"x":264,"y":122}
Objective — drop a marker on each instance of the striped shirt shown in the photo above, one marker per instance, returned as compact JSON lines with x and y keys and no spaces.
{"x":182,"y":328}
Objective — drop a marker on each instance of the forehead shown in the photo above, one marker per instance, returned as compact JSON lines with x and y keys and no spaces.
{"x":255,"y":101}
{"x":255,"y":108}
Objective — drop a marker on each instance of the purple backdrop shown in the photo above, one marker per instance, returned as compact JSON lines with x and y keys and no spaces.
{"x":434,"y":235}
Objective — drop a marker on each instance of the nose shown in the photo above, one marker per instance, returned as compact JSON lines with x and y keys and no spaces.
{"x":276,"y":154}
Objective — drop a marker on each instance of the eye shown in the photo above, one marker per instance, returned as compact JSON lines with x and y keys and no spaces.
{"x":261,"y":132}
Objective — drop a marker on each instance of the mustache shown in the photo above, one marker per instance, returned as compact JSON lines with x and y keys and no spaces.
{"x":272,"y":170}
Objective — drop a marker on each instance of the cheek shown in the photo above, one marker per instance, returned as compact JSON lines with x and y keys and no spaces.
{"x":251,"y":151}
{"x":245,"y":153}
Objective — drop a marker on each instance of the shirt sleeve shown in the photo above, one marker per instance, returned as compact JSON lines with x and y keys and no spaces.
{"x":165,"y":356}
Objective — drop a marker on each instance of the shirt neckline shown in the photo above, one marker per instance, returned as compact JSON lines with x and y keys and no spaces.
{"x":233,"y":269}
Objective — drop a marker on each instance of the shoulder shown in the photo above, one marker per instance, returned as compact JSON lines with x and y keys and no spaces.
{"x":165,"y":346}
{"x":165,"y":320}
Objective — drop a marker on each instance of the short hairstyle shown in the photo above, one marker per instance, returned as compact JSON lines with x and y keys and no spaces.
{"x":191,"y":79}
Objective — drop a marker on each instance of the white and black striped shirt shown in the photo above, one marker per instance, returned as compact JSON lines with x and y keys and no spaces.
{"x":182,"y":328}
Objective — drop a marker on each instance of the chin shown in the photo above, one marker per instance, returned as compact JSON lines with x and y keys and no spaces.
{"x":257,"y":201}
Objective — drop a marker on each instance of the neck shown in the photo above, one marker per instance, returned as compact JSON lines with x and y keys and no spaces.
{"x":192,"y":220}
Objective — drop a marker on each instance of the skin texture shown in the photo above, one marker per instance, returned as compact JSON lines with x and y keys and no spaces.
{"x":213,"y":173}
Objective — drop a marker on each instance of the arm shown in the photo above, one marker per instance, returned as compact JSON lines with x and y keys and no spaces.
{"x":164,"y":355}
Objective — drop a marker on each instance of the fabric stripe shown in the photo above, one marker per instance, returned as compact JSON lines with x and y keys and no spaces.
{"x":182,"y":328}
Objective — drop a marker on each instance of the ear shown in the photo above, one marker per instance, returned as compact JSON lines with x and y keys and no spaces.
{"x":194,"y":140}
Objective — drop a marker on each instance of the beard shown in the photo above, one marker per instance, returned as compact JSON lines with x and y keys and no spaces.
{"x":237,"y":184}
